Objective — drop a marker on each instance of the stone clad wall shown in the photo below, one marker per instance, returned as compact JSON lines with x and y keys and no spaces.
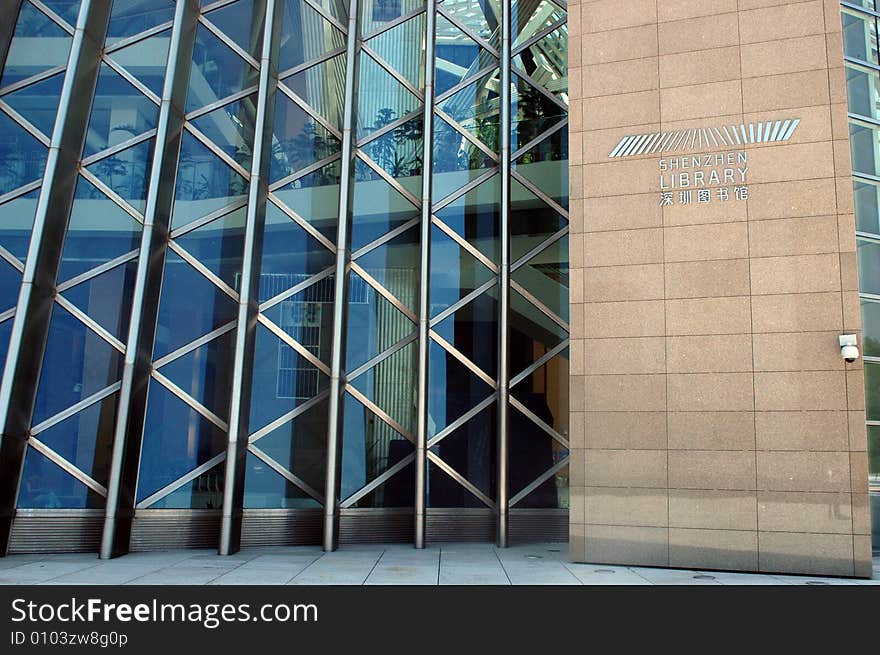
{"x":714,"y":423}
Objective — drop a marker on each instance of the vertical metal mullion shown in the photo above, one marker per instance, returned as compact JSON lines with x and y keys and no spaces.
{"x":504,"y":279}
{"x":245,"y":332}
{"x":10,"y":9}
{"x":424,"y":270}
{"x":128,"y":433}
{"x":339,"y":299}
{"x":30,"y":328}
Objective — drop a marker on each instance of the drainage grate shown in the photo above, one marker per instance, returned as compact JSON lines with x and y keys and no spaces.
{"x":704,"y":577}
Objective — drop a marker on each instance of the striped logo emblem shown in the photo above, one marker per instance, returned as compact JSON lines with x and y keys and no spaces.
{"x":702,"y":138}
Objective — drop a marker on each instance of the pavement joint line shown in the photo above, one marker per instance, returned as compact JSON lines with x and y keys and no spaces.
{"x":375,"y":564}
{"x":307,"y":567}
{"x":501,"y":564}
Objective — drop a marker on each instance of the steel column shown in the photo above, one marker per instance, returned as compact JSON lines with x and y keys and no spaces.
{"x":9,"y":9}
{"x":33,"y":312}
{"x":331,"y":513}
{"x":128,"y":434}
{"x":424,"y":272}
{"x":249,"y":294}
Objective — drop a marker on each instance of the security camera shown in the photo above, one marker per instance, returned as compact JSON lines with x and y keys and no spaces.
{"x":848,"y":348}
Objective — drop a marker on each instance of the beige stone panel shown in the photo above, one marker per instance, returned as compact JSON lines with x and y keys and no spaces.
{"x":846,"y":232}
{"x":834,"y":47}
{"x":800,"y":390}
{"x":686,"y":68}
{"x":793,"y":199}
{"x":800,"y":311}
{"x":702,"y":214}
{"x":626,"y":506}
{"x":782,"y":22}
{"x":842,"y":158}
{"x":577,"y":430}
{"x":626,"y":430}
{"x":849,"y":271}
{"x":622,"y":212}
{"x":852,"y":311}
{"x":577,"y":551}
{"x":797,"y":351}
{"x":576,"y":512}
{"x":805,"y":553}
{"x":728,"y":550}
{"x":615,"y":77}
{"x":798,"y":511}
{"x":861,"y":514}
{"x":723,"y":430}
{"x":641,"y":282}
{"x":680,"y":9}
{"x":698,"y":392}
{"x":707,"y":354}
{"x":712,"y":509}
{"x":614,"y":544}
{"x":858,"y":463}
{"x":577,"y":359}
{"x":620,"y":177}
{"x":815,"y":122}
{"x":858,"y":431}
{"x":712,"y":469}
{"x":623,"y":247}
{"x":839,"y":121}
{"x":577,"y":393}
{"x":576,"y":186}
{"x":708,"y":316}
{"x":729,"y":277}
{"x":619,"y":45}
{"x":575,"y":114}
{"x":844,"y":187}
{"x":700,"y":100}
{"x":855,"y":390}
{"x":626,"y":468}
{"x":705,"y":242}
{"x":783,"y":56}
{"x":698,"y":33}
{"x":576,"y":325}
{"x":626,"y":393}
{"x":576,"y":285}
{"x":793,"y":236}
{"x":803,"y":471}
{"x":576,"y":473}
{"x":604,"y":15}
{"x":632,"y":355}
{"x":797,"y":161}
{"x":757,"y":4}
{"x":622,"y":109}
{"x":576,"y":148}
{"x":637,"y":318}
{"x":801,"y":430}
{"x":862,"y":548}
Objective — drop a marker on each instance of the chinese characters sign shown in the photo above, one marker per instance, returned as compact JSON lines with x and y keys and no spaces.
{"x":703,"y":178}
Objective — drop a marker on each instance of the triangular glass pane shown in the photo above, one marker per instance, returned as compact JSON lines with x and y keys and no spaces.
{"x":401,"y":46}
{"x":458,"y":56}
{"x":545,"y":276}
{"x":395,"y":265}
{"x":399,"y":153}
{"x":17,"y":223}
{"x":454,"y":272}
{"x":336,"y":8}
{"x":530,"y":18}
{"x":533,"y":113}
{"x":67,"y":10}
{"x":453,"y":389}
{"x":242,"y":22}
{"x":300,"y":445}
{"x":86,"y":438}
{"x":473,"y":331}
{"x":315,"y":198}
{"x":456,"y":161}
{"x":545,"y":392}
{"x":203,"y":492}
{"x":377,"y":208}
{"x":321,"y":87}
{"x":45,"y":485}
{"x":391,"y":385}
{"x":127,"y":173}
{"x":190,"y":306}
{"x":369,"y":448}
{"x":10,"y":284}
{"x":205,"y":373}
{"x":305,"y":35}
{"x":298,"y":140}
{"x":217,"y":71}
{"x":119,"y":112}
{"x":444,"y":491}
{"x":22,"y":157}
{"x":479,"y":16}
{"x":532,"y":221}
{"x":282,"y":378}
{"x":38,"y":103}
{"x":219,"y":245}
{"x":146,"y":60}
{"x":204,"y":184}
{"x":306,"y":316}
{"x":546,"y":61}
{"x":373,"y":323}
{"x":106,"y":298}
{"x":378,"y":12}
{"x":77,"y":363}
{"x":532,"y":333}
{"x":476,"y":108}
{"x":532,"y":452}
{"x":231,"y":128}
{"x":130,"y":17}
{"x":34,"y":32}
{"x":546,"y":166}
{"x":265,"y":488}
{"x":99,"y":231}
{"x":381,"y":98}
{"x":5,"y":334}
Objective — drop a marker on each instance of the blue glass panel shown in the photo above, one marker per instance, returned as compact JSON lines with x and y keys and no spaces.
{"x":473,"y":331}
{"x":399,"y":153}
{"x":231,"y":127}
{"x":378,"y":12}
{"x":480,"y":16}
{"x":86,"y":438}
{"x":306,"y":35}
{"x":17,"y":222}
{"x":475,"y":216}
{"x":867,"y":205}
{"x":206,"y":373}
{"x":452,"y":389}
{"x":391,"y":385}
{"x":98,"y":231}
{"x":176,"y":440}
{"x":533,"y":113}
{"x":146,"y":60}
{"x":298,"y":139}
{"x":476,"y":108}
{"x":217,"y":71}
{"x":545,"y":392}
{"x":321,"y":87}
{"x":532,"y":221}
{"x":546,"y":166}
{"x":531,"y":453}
{"x":190,"y":306}
{"x":38,"y":102}
{"x":202,"y":492}
{"x":529,"y":19}
{"x":107,"y":298}
{"x":119,"y":112}
{"x":264,"y":488}
{"x":457,"y":56}
{"x":219,"y":245}
{"x":395,"y":265}
{"x":401,"y":46}
{"x":242,"y":22}
{"x":456,"y":161}
{"x":290,"y":255}
{"x":66,"y":9}
{"x":454,"y":272}
{"x":10,"y":282}
{"x":44,"y":485}
{"x":872,"y":387}
{"x":376,"y":207}
{"x":77,"y":363}
{"x":130,"y":17}
{"x":307,"y":317}
{"x":315,"y":197}
{"x":532,"y":333}
{"x":545,"y":276}
{"x":127,"y":173}
{"x":381,"y":98}
{"x":373,"y":324}
{"x":38,"y":44}
{"x":22,"y":157}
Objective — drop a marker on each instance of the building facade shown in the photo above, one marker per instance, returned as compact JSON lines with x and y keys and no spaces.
{"x":308,"y":272}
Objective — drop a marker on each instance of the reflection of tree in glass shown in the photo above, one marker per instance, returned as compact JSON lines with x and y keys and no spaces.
{"x":398,"y":151}
{"x":308,"y":146}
